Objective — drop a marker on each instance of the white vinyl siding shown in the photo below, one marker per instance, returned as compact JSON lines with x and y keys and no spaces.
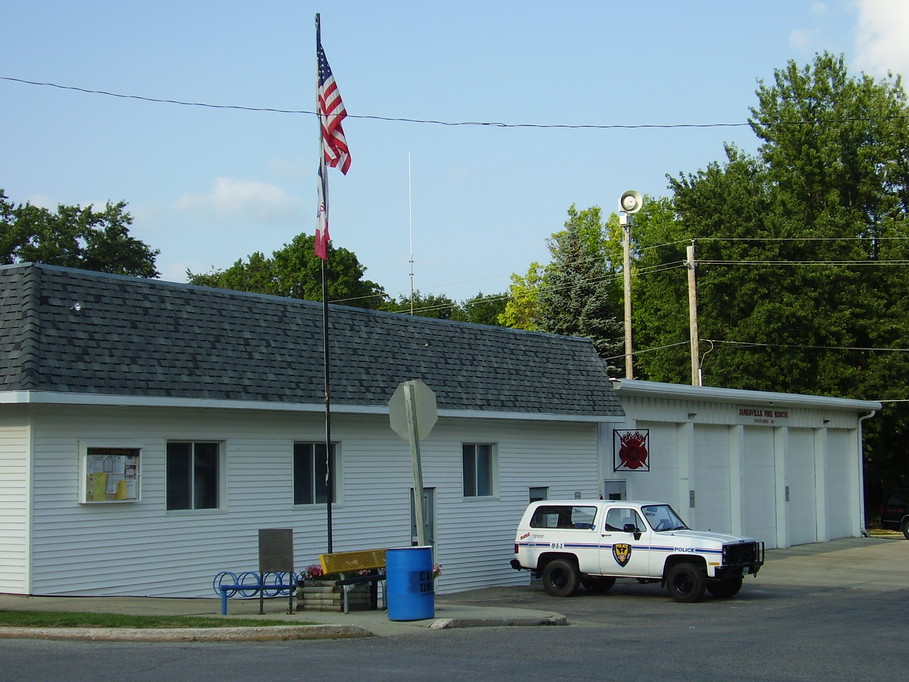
{"x":139,"y":548}
{"x":14,"y":507}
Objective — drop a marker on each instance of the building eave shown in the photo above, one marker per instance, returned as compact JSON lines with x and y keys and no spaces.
{"x":653,"y":389}
{"x":113,"y":400}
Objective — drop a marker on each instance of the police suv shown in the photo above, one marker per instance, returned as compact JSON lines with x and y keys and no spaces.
{"x":593,"y":542}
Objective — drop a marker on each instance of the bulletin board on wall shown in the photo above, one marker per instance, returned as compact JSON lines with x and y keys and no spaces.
{"x":110,"y":474}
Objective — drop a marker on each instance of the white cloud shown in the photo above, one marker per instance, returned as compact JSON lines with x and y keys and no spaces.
{"x":807,"y":40}
{"x":882,"y":43}
{"x":242,"y":201}
{"x":803,"y":39}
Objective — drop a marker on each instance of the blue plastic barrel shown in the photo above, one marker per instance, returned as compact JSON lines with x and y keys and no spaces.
{"x":408,"y":580}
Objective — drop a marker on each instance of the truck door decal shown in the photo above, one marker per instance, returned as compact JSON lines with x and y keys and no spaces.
{"x":621,"y":552}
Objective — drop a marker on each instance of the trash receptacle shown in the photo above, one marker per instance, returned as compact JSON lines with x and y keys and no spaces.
{"x":409,"y":584}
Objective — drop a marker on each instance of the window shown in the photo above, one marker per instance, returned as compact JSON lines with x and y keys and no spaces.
{"x":617,"y":519}
{"x":478,"y":470}
{"x":309,"y":473}
{"x":193,"y":475}
{"x":553,"y":516}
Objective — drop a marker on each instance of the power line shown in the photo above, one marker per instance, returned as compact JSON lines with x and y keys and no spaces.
{"x":753,"y":344}
{"x":399,"y":119}
{"x":803,"y":262}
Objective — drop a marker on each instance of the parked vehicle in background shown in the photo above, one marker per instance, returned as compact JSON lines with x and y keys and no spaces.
{"x":895,"y":511}
{"x":594,"y":542}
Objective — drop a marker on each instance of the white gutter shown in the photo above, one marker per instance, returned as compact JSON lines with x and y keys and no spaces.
{"x":113,"y":400}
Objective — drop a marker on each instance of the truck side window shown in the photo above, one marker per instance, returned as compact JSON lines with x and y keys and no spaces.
{"x":617,"y":518}
{"x":551,"y":516}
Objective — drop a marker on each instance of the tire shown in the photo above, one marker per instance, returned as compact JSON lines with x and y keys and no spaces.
{"x":686,"y":583}
{"x":725,"y":588}
{"x":561,"y":578}
{"x":597,"y":584}
{"x":905,"y":529}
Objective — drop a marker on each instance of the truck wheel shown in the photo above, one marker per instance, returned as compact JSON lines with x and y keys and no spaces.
{"x":905,"y":529}
{"x":597,"y":584}
{"x":686,"y":583}
{"x":725,"y":588}
{"x":561,"y":578}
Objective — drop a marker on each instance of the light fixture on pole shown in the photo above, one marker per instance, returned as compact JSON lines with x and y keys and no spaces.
{"x":629,"y":203}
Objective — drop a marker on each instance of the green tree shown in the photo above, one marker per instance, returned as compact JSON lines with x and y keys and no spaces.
{"x":798,"y":247}
{"x":438,"y":306}
{"x":481,"y":309}
{"x":74,"y":237}
{"x":790,"y":242}
{"x":295,"y":271}
{"x":581,"y":293}
{"x":658,"y":292}
{"x":520,"y":310}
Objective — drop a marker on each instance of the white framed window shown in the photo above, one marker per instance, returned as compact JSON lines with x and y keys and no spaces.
{"x":193,"y":475}
{"x":309,"y":473}
{"x":479,"y":469}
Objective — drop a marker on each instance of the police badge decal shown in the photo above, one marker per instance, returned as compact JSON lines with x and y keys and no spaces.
{"x":621,"y":553}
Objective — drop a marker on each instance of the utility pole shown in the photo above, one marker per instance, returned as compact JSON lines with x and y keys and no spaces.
{"x":693,"y":316}
{"x":625,"y":222}
{"x":630,"y":202}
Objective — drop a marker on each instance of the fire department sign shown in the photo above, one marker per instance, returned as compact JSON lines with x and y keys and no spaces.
{"x":631,"y":450}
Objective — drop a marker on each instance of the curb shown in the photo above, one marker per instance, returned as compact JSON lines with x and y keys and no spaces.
{"x":275,"y":633}
{"x":448,"y":623}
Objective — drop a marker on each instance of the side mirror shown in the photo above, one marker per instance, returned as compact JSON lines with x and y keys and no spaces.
{"x":631,"y":528}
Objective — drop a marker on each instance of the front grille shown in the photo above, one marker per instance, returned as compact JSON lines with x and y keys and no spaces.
{"x":742,"y":554}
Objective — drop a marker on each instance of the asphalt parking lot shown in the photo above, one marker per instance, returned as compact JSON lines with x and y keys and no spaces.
{"x":831,"y":611}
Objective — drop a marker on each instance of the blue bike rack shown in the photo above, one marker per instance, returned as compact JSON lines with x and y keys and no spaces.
{"x":253,"y":583}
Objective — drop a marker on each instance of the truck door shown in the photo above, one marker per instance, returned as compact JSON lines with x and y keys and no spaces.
{"x":624,"y":552}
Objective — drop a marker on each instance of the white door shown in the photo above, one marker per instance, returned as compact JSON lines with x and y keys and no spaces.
{"x":624,"y":552}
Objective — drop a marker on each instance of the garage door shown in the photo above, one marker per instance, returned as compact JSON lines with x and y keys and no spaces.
{"x":758,"y":485}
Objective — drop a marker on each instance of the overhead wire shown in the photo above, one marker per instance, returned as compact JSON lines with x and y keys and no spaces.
{"x":497,"y":124}
{"x":439,"y":122}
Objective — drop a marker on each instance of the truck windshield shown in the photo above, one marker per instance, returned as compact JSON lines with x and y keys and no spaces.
{"x":662,"y":517}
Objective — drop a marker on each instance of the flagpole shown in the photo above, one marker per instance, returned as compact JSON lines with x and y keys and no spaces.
{"x":323,"y":178}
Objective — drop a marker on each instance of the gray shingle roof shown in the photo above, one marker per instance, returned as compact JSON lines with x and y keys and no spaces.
{"x":141,"y":337}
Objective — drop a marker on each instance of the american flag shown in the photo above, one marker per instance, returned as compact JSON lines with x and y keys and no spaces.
{"x":331,"y":113}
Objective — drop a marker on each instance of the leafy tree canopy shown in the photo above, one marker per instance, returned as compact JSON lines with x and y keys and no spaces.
{"x":581,"y":294}
{"x":479,"y":309}
{"x":295,"y":271}
{"x":578,"y":292}
{"x":438,"y":306}
{"x":799,"y":252}
{"x":74,"y":237}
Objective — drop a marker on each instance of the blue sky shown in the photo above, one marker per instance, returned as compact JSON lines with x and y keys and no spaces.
{"x":209,"y":186}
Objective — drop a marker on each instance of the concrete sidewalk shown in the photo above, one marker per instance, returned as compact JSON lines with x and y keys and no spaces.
{"x":298,"y":625}
{"x":849,"y":563}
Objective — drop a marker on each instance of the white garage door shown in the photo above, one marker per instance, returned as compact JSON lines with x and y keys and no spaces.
{"x":710,"y":461}
{"x":842,"y":486}
{"x":758,"y":485}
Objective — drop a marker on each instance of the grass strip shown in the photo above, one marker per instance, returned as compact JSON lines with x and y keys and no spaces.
{"x":67,"y":619}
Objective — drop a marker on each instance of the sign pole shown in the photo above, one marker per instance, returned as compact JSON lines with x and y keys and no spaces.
{"x":410,"y":407}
